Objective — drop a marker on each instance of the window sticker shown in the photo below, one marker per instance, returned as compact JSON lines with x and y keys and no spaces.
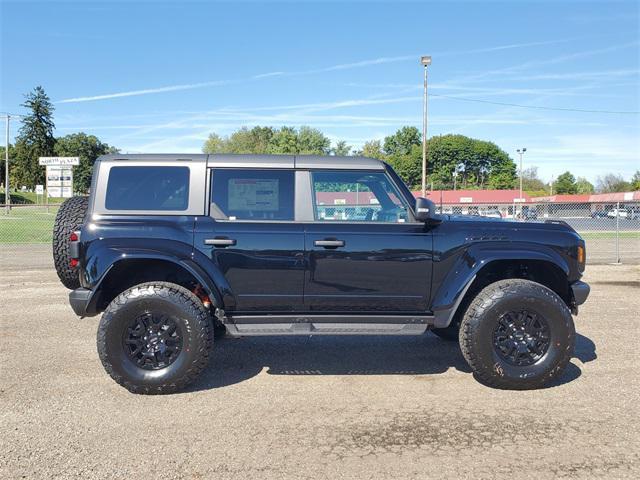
{"x":254,"y":194}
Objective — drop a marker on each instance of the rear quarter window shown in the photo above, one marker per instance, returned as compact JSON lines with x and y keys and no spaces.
{"x":148,"y":188}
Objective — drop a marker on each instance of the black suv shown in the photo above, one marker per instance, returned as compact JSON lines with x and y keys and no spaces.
{"x":175,"y":250}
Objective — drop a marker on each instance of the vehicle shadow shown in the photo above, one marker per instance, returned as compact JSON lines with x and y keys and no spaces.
{"x":237,"y":360}
{"x":585,"y":351}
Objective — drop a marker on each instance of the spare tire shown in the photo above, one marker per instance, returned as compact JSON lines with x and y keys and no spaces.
{"x":69,"y":219}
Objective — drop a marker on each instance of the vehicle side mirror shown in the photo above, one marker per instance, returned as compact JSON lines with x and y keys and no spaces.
{"x":425,"y":210}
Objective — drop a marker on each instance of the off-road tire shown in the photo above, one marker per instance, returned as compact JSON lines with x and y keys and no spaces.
{"x":193,"y":320}
{"x":481,"y":319}
{"x":68,"y":219}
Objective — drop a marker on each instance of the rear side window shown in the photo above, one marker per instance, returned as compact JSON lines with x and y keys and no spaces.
{"x":148,"y":188}
{"x":248,"y":194}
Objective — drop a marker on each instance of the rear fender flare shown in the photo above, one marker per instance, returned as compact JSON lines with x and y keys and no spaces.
{"x":211,"y":279}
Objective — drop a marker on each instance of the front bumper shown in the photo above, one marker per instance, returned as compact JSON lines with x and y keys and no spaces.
{"x":580,"y":292}
{"x":80,"y":300}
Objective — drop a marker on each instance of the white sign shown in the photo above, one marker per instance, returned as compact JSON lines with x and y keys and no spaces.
{"x":39,"y":189}
{"x":59,"y":181}
{"x":59,"y":161}
{"x":519,"y":200}
{"x":253,"y":194}
{"x":466,"y":199}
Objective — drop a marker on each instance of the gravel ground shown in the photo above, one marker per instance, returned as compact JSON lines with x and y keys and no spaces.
{"x":320,"y":407}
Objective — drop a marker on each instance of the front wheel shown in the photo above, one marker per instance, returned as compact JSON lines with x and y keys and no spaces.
{"x":517,"y":334}
{"x":155,"y":338}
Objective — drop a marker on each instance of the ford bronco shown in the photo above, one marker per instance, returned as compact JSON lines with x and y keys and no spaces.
{"x":176,"y":250}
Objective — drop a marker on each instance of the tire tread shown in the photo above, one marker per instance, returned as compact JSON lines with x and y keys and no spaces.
{"x":182,"y":298}
{"x":473,"y":316}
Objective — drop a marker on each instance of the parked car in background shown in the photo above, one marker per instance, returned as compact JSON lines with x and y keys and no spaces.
{"x":618,"y":212}
{"x":492,"y":213}
{"x":599,"y":214}
{"x":528,"y":213}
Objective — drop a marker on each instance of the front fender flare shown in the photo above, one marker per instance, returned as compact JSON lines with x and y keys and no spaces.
{"x":451,"y":292}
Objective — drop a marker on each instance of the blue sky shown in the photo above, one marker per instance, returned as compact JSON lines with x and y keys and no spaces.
{"x":158,"y":77}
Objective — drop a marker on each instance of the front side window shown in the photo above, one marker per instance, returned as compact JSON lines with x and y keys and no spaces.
{"x":357,"y":197}
{"x":148,"y":188}
{"x":250,"y":194}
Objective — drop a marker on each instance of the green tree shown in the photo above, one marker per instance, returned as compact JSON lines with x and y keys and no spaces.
{"x":479,"y":163}
{"x":402,"y":142}
{"x":35,"y":139}
{"x":584,"y":186}
{"x":88,"y":148}
{"x":255,"y":140}
{"x":566,"y":183}
{"x":312,"y":141}
{"x":531,"y":182}
{"x":635,"y":181}
{"x":612,"y":183}
{"x":2,"y":166}
{"x":408,"y":166}
{"x":341,"y":149}
{"x":373,"y":149}
{"x":284,"y":142}
{"x":214,"y":144}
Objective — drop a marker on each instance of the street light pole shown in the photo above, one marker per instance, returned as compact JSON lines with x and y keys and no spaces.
{"x":7,"y":196}
{"x":425,"y":61}
{"x":521,"y":153}
{"x":455,"y":178}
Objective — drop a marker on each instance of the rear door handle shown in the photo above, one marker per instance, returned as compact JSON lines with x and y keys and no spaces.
{"x":220,"y":242}
{"x":329,"y":243}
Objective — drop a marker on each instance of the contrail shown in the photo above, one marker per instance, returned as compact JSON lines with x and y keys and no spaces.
{"x":146,"y":91}
{"x":331,"y":68}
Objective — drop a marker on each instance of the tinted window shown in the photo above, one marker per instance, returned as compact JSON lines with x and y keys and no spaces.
{"x":148,"y":188}
{"x":357,"y":197}
{"x":252,"y":194}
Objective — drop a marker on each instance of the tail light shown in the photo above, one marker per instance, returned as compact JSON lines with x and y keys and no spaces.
{"x":74,"y":249}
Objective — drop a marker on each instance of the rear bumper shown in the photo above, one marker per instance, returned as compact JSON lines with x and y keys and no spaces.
{"x":580,"y":292}
{"x":80,"y":300}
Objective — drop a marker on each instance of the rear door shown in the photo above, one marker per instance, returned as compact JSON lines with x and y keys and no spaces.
{"x":365,"y":252}
{"x":251,"y":236}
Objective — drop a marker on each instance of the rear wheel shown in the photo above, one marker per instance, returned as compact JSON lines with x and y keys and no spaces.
{"x":155,"y":338}
{"x":517,"y":334}
{"x":68,"y":219}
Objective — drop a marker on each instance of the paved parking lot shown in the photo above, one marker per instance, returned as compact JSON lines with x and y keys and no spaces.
{"x":321,"y":407}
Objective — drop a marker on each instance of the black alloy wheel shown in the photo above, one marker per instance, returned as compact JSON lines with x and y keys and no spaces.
{"x":521,"y":338}
{"x":153,"y":341}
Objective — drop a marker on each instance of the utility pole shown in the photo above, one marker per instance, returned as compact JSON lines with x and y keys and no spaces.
{"x":521,"y":153}
{"x":425,"y":61}
{"x":7,"y":196}
{"x":455,"y":178}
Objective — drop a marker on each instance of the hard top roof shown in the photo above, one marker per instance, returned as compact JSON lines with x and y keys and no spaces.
{"x":254,"y":161}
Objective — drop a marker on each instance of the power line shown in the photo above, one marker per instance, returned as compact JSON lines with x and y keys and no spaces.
{"x":462,"y":99}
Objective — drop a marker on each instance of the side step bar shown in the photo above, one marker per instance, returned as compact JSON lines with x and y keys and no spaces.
{"x":326,"y":325}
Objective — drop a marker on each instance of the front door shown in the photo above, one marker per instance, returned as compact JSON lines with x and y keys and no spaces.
{"x":365,"y":252}
{"x":252,"y":239}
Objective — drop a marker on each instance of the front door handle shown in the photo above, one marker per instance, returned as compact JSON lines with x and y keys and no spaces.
{"x":220,"y":242}
{"x":329,"y":243}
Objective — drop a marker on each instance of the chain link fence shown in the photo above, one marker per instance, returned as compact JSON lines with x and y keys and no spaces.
{"x":611,"y":230}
